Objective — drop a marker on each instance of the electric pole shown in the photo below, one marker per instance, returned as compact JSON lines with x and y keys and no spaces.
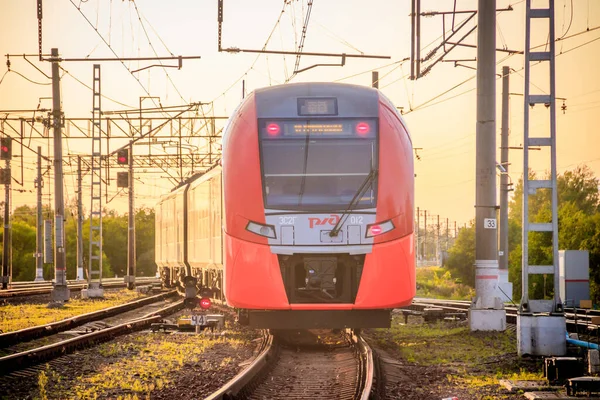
{"x":39,"y":241}
{"x":131,"y":227}
{"x":6,"y":238}
{"x":487,"y":311}
{"x":505,"y":292}
{"x":60,"y":292}
{"x":79,"y":221}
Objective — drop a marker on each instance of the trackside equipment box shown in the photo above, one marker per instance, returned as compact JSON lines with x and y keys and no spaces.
{"x":574,"y":275}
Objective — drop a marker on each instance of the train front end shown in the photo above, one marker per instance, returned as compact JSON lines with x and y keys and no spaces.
{"x":318,"y":185}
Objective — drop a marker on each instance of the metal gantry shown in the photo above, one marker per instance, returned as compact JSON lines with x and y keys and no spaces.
{"x":541,"y":324}
{"x":95,"y":245}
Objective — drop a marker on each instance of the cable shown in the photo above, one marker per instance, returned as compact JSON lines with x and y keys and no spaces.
{"x":88,"y":87}
{"x":426,"y":104}
{"x":2,"y":79}
{"x":113,"y":51}
{"x":371,"y":70}
{"x":153,"y":50}
{"x":570,"y":21}
{"x":285,"y":3}
{"x":26,"y":78}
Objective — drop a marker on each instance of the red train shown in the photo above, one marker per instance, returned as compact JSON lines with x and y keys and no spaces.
{"x":308,"y":223}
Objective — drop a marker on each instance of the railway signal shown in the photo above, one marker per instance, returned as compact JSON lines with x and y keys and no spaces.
{"x":4,"y":176}
{"x":123,"y":157}
{"x":5,"y":148}
{"x":122,"y":179}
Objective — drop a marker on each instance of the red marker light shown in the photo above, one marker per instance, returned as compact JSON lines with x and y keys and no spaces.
{"x":205,"y":303}
{"x":273,"y":129}
{"x":122,"y":160}
{"x":375,"y":230}
{"x":363,"y":128}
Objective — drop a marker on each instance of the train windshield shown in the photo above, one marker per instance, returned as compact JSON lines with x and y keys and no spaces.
{"x":318,"y":164}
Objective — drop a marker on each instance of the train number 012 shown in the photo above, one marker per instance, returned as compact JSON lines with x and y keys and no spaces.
{"x":356,"y":220}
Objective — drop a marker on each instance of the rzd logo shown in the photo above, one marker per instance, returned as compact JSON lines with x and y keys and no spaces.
{"x":331,"y":220}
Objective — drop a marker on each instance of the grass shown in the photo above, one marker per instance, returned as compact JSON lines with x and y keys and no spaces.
{"x":437,"y":282}
{"x":134,"y":368}
{"x":440,"y":344}
{"x":20,"y":316}
{"x":474,"y":359}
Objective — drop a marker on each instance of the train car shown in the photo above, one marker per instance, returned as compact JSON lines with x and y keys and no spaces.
{"x":318,"y":200}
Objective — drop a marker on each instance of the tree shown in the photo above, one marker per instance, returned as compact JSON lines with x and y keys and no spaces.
{"x":461,"y":256}
{"x":579,"y":187}
{"x":578,"y":201}
{"x":144,"y":242}
{"x":579,"y":229}
{"x":23,"y":249}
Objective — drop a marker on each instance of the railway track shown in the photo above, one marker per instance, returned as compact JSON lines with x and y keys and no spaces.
{"x":24,"y":289}
{"x":305,"y":364}
{"x":75,"y":333}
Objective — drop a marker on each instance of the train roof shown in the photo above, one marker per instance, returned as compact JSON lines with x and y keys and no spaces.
{"x":281,"y":101}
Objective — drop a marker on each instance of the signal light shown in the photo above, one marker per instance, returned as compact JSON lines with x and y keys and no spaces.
{"x":362,"y":128}
{"x":123,"y":157}
{"x":122,"y":179}
{"x":273,"y":129}
{"x":4,"y":176}
{"x":5,"y":148}
{"x":205,"y":303}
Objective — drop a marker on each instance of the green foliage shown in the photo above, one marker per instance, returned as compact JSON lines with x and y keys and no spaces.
{"x":461,"y":256}
{"x":436,"y":282}
{"x":114,"y":258}
{"x":23,"y":249}
{"x":42,"y":382}
{"x":144,"y":242}
{"x":578,"y":228}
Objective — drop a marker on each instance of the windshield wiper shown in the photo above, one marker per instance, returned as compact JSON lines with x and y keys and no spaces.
{"x":353,"y":203}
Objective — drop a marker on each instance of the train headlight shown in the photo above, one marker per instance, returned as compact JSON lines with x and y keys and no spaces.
{"x":262,"y":230}
{"x":379,"y":228}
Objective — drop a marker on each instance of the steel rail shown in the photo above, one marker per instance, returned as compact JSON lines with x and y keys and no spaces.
{"x":27,"y":358}
{"x":233,"y":387}
{"x":34,"y":332}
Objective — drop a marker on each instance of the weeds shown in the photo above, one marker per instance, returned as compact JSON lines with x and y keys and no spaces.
{"x":20,"y":316}
{"x":437,"y":282}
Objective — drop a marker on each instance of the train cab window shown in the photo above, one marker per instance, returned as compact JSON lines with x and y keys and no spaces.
{"x":318,"y":164}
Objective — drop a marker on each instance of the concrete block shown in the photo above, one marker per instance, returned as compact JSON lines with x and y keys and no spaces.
{"x":92,"y":293}
{"x":593,"y":362}
{"x":60,"y":293}
{"x":487,"y":320}
{"x":541,"y":335}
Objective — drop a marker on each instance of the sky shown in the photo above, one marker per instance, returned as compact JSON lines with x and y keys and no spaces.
{"x":439,"y":109}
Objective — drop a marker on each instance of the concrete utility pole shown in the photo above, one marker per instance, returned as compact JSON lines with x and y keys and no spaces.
{"x":6,"y":273}
{"x":438,"y":245}
{"x":424,"y":248}
{"x":375,"y":79}
{"x":417,"y":231}
{"x":39,"y":241}
{"x":60,"y":292}
{"x":504,"y":286}
{"x":487,"y":311}
{"x":79,"y":222}
{"x":131,"y":228}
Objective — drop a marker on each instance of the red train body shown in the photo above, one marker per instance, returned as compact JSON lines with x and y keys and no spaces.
{"x":316,"y":191}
